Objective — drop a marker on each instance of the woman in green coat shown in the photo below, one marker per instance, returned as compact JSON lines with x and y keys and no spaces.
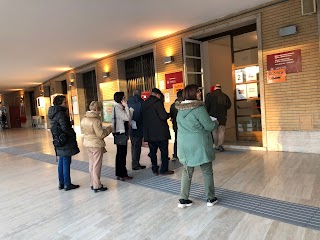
{"x":195,"y":146}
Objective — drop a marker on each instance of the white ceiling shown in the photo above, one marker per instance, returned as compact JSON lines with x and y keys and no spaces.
{"x":43,"y":38}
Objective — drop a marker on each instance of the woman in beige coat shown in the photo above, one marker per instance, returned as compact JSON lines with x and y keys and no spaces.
{"x":94,"y":134}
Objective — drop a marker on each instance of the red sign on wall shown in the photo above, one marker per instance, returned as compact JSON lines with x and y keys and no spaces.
{"x":173,"y":78}
{"x":291,"y":61}
{"x":145,"y":95}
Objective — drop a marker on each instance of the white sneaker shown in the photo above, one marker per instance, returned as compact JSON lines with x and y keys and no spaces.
{"x":212,"y":202}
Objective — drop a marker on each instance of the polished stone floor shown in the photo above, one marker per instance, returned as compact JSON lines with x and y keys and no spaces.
{"x":31,"y":206}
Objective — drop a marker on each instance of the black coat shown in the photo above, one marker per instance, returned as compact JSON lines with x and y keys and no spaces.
{"x":58,"y":114}
{"x":173,"y":115}
{"x":136,"y":103}
{"x":155,"y":126}
{"x":217,"y":104}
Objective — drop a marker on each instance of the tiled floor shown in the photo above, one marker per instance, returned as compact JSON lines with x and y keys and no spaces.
{"x":33,"y":208}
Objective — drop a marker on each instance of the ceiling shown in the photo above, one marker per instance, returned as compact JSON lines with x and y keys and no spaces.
{"x":41,"y":39}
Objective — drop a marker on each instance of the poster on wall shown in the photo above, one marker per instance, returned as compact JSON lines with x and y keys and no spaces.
{"x":177,"y":87}
{"x":252,"y":90}
{"x":239,"y":76}
{"x":276,"y":76}
{"x":241,"y":91}
{"x":75,"y":106}
{"x":291,"y":61}
{"x":162,"y":85}
{"x":107,"y":107}
{"x":172,"y":78}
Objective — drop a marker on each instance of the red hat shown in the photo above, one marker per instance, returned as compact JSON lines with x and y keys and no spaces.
{"x":212,"y":88}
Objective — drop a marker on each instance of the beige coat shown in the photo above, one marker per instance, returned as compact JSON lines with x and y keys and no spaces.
{"x":94,"y":134}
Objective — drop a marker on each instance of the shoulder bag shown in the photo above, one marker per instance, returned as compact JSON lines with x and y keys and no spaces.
{"x":119,"y":138}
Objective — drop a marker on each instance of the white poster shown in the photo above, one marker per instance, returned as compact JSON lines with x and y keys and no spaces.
{"x":241,"y":91}
{"x":166,"y":97}
{"x":162,"y":85}
{"x":252,"y":90}
{"x":251,"y":73}
{"x":75,"y":106}
{"x":239,"y":76}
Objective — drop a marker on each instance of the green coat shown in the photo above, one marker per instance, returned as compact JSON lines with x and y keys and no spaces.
{"x":195,"y":145}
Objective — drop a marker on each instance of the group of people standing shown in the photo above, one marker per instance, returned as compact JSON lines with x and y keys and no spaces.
{"x":147,"y":120}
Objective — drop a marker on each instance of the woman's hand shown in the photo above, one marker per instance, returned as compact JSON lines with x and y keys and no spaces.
{"x":124,"y":102}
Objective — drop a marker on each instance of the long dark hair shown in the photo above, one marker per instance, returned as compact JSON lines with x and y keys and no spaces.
{"x":190,"y":92}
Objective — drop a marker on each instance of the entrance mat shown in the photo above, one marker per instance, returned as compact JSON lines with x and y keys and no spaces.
{"x":296,"y":214}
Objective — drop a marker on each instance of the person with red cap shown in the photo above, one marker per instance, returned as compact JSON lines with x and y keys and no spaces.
{"x":217,"y":104}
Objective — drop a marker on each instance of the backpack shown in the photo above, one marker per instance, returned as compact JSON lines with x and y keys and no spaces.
{"x":59,"y":137}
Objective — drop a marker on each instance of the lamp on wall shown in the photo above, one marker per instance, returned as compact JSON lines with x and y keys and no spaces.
{"x":106,"y":74}
{"x":168,"y":59}
{"x":72,"y":76}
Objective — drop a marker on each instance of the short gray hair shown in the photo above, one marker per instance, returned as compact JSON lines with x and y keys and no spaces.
{"x":137,"y":92}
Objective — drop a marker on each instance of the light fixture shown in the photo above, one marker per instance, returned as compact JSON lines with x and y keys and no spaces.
{"x":106,"y":74}
{"x":168,"y":59}
{"x":72,"y":76}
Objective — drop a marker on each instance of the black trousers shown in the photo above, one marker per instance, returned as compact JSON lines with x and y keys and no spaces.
{"x":121,"y":158}
{"x":136,"y":143}
{"x":163,"y":146}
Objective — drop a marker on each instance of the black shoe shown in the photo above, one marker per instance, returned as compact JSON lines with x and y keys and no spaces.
{"x":91,"y":187}
{"x":139,"y":167}
{"x":71,"y":186}
{"x":221,"y":149}
{"x":101,"y":189}
{"x":184,"y":203}
{"x":169,"y":172}
{"x":61,"y":186}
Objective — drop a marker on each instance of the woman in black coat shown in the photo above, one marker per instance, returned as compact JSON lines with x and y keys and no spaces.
{"x":57,"y":115}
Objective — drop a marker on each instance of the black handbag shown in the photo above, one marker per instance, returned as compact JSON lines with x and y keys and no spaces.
{"x":119,"y":138}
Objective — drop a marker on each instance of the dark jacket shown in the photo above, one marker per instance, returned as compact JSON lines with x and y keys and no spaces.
{"x":58,"y":114}
{"x":173,"y":115}
{"x":217,"y":104}
{"x":136,"y":102}
{"x":155,"y":126}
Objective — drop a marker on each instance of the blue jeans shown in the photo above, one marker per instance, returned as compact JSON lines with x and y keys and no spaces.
{"x":64,"y":170}
{"x":163,"y":146}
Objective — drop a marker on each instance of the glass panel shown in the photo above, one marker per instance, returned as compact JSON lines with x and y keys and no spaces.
{"x":247,"y":57}
{"x":249,"y":107}
{"x":249,"y":124}
{"x":193,"y":49}
{"x":193,"y":65}
{"x":195,"y":79}
{"x":245,"y":41}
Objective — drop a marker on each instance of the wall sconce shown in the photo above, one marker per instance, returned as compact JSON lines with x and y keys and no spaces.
{"x":106,"y":74}
{"x":168,"y":59}
{"x":72,"y":76}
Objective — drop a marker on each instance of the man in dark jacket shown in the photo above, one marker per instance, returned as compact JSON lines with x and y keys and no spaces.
{"x":57,"y":115}
{"x":173,"y":116}
{"x":136,"y":130}
{"x":156,"y":130}
{"x":217,"y":104}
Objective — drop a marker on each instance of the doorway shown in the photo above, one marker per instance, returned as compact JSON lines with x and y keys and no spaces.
{"x":231,"y":59}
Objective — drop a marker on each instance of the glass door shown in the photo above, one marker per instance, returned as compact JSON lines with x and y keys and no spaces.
{"x":246,"y":81}
{"x":192,"y":56}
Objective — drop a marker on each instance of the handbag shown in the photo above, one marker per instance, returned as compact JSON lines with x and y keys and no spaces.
{"x":119,"y":138}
